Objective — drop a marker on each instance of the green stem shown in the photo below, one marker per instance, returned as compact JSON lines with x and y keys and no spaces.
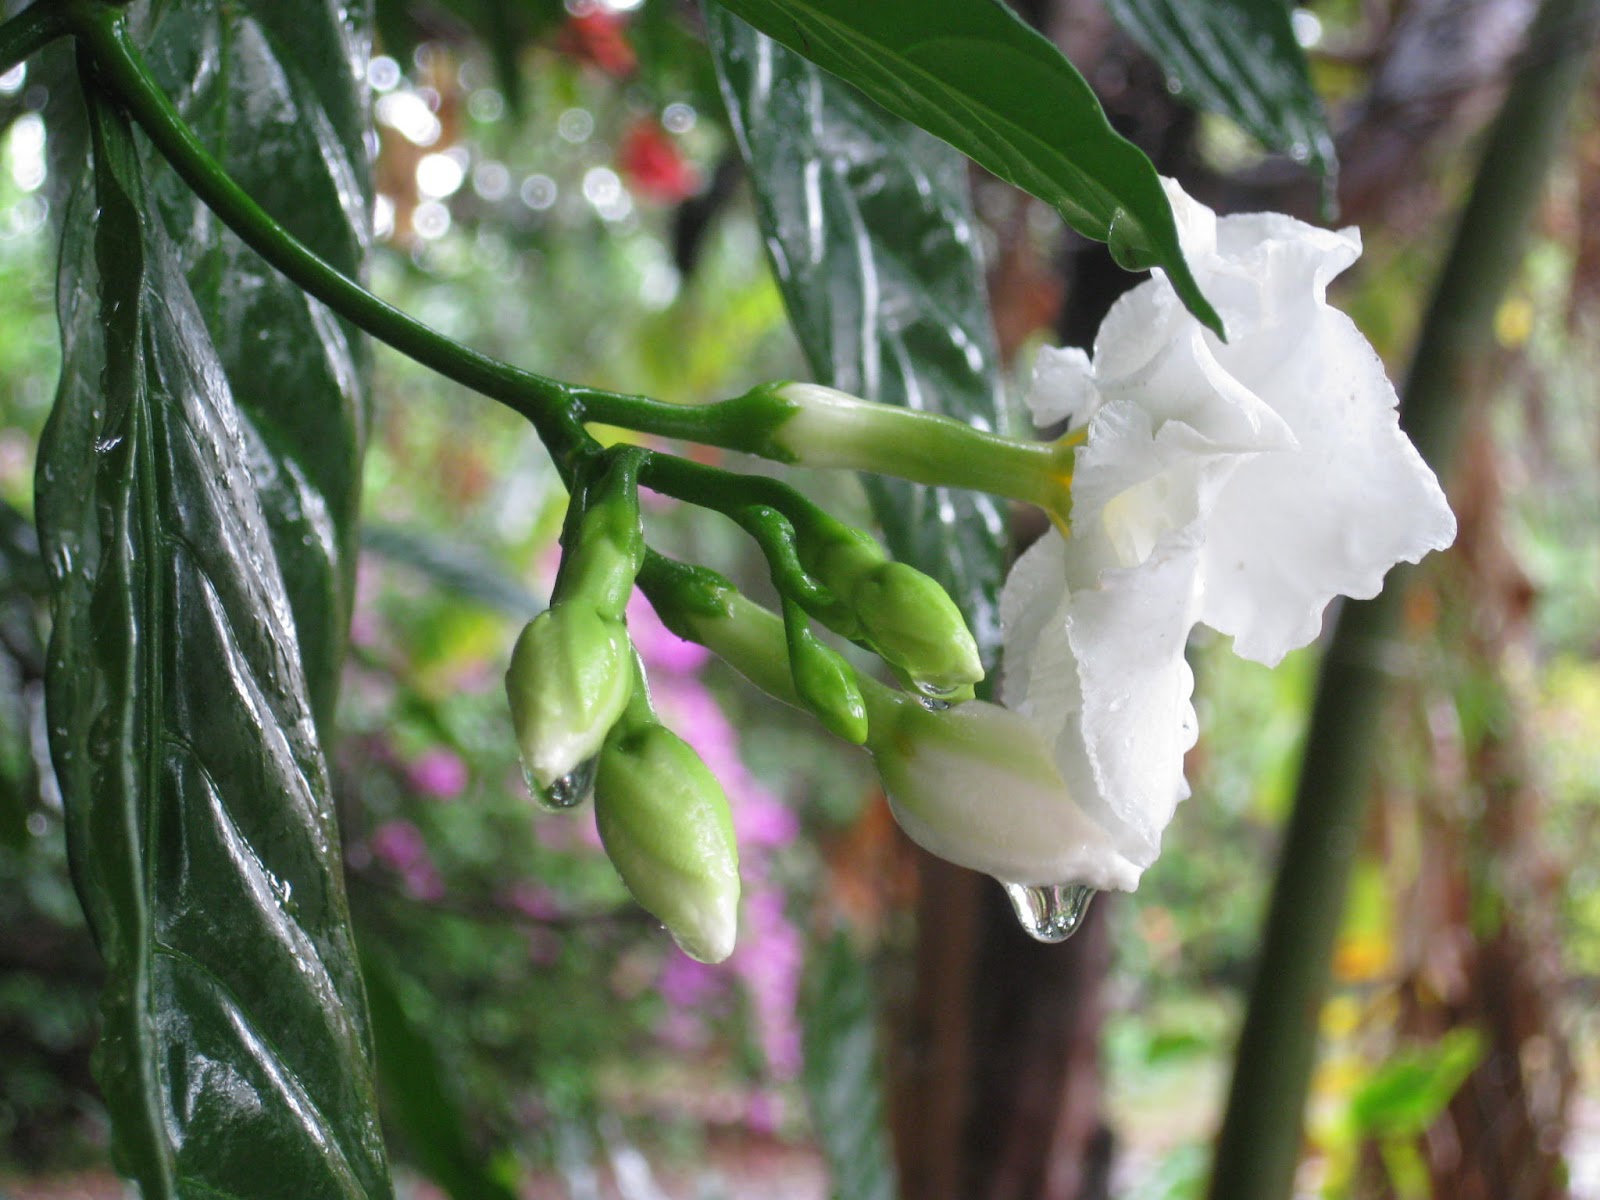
{"x":745,"y":423}
{"x":1259,"y":1145}
{"x":30,"y":31}
{"x":545,"y":402}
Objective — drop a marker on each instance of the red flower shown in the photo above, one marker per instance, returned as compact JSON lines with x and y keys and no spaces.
{"x":650,"y":162}
{"x":597,"y":38}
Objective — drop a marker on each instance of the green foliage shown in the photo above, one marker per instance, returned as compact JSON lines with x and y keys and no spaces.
{"x":875,"y":249}
{"x":235,"y":1049}
{"x":1404,"y":1096}
{"x":1239,"y":58}
{"x":842,"y":1072}
{"x":199,"y":499}
{"x":978,"y":77}
{"x":268,"y":88}
{"x":422,"y":1095}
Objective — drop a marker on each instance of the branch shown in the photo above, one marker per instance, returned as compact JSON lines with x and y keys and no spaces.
{"x":30,"y":31}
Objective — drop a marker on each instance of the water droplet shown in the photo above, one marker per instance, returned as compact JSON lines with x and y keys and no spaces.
{"x":932,"y":704}
{"x":1049,"y":912}
{"x":571,"y":790}
{"x":931,"y":691}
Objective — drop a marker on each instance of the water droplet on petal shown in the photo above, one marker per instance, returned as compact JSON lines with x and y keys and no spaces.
{"x":1050,"y":912}
{"x":571,"y":790}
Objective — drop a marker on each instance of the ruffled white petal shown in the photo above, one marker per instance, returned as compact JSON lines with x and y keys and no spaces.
{"x":1293,"y":530}
{"x":1062,"y":386}
{"x":1121,"y":749}
{"x":1242,"y":484}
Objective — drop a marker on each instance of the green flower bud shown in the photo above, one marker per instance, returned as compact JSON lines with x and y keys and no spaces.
{"x":606,"y":547}
{"x":840,"y":558}
{"x":912,"y":622}
{"x":825,"y":681}
{"x":570,"y":678}
{"x":665,"y":824}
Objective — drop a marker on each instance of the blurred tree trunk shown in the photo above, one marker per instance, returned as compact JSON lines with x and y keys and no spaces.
{"x":1483,"y":926}
{"x":998,"y":1089}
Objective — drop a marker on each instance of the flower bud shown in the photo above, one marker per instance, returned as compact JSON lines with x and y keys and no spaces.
{"x":977,"y":785}
{"x":570,"y":678}
{"x":607,"y":545}
{"x":827,"y":683}
{"x":918,"y":630}
{"x":665,"y":824}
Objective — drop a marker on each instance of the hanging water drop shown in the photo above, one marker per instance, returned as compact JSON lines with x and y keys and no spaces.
{"x":571,"y":790}
{"x":1050,"y":912}
{"x":933,"y":704}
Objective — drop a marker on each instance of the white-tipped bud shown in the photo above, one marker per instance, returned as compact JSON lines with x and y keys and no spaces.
{"x":666,"y":827}
{"x":977,"y":785}
{"x":570,"y":678}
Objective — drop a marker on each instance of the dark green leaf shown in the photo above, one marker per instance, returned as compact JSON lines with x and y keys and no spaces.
{"x":418,"y":1093}
{"x":275,"y":90}
{"x":1238,"y":58}
{"x":841,"y":1074}
{"x":972,"y":73}
{"x":872,"y":238}
{"x":235,"y":1057}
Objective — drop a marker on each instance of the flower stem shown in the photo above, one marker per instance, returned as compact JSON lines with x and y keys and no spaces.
{"x":30,"y":31}
{"x":119,"y":64}
{"x":1259,"y":1146}
{"x":556,"y":408}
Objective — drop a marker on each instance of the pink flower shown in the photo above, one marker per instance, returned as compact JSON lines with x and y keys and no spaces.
{"x":662,"y":650}
{"x":399,"y":845}
{"x":439,"y":774}
{"x":688,"y":983}
{"x":768,"y":961}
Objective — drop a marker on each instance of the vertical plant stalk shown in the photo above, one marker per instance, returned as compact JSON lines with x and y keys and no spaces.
{"x":1259,"y":1145}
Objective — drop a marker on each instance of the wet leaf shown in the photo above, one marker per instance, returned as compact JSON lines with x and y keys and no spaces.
{"x":235,"y":1058}
{"x":277,"y":92}
{"x":842,"y":1077}
{"x":973,"y":73}
{"x":1238,"y":58}
{"x":871,"y":235}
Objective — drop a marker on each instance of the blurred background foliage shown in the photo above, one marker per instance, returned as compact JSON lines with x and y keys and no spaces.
{"x":558,"y":187}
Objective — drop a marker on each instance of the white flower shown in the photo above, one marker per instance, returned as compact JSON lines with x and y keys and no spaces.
{"x":974,"y":784}
{"x":1242,"y":485}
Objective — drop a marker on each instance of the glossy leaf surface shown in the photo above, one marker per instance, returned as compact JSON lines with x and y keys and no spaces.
{"x":1239,"y":58}
{"x":841,"y":1076}
{"x":972,"y":73}
{"x":234,"y":1058}
{"x":277,"y":91}
{"x":871,"y":235}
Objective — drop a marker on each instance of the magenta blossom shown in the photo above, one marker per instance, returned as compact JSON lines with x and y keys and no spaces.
{"x":438,"y":774}
{"x":399,"y":845}
{"x":661,"y":649}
